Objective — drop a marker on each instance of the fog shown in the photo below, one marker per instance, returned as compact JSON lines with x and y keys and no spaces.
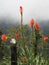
{"x":37,"y":9}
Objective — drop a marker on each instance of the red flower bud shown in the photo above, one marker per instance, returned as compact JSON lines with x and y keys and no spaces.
{"x":4,"y":37}
{"x":17,"y":35}
{"x":24,"y":59}
{"x":31,"y":22}
{"x":21,"y":9}
{"x":36,"y":26}
{"x":45,"y":38}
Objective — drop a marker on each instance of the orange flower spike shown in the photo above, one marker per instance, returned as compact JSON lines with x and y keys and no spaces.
{"x":17,"y":35}
{"x":21,"y":9}
{"x":37,"y":26}
{"x":45,"y":38}
{"x":24,"y":59}
{"x":31,"y":22}
{"x":4,"y":37}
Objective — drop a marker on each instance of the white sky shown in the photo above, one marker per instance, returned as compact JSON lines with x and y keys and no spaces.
{"x":37,"y":9}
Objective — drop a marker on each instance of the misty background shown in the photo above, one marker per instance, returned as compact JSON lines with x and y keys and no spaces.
{"x":37,"y":9}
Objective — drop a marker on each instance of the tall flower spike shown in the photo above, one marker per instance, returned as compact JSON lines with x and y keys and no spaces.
{"x":36,"y":26}
{"x":31,"y":22}
{"x":4,"y":37}
{"x":21,"y":9}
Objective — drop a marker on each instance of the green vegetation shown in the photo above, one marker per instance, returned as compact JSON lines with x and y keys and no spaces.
{"x":25,"y":47}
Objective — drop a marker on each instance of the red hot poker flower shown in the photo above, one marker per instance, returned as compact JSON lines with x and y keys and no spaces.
{"x":4,"y":37}
{"x":31,"y":22}
{"x":21,"y":9}
{"x":45,"y":38}
{"x":37,"y":26}
{"x":17,"y":35}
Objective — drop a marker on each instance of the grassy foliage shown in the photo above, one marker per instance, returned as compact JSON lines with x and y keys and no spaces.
{"x":25,"y":47}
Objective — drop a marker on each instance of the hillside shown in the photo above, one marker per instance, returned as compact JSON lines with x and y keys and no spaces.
{"x":6,"y":24}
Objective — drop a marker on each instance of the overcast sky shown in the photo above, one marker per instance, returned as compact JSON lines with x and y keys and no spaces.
{"x":37,"y":9}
